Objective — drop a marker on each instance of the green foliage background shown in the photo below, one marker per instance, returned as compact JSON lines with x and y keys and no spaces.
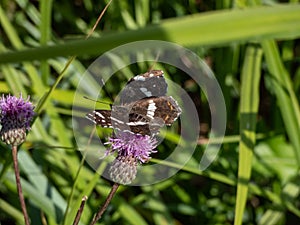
{"x":253,"y":49}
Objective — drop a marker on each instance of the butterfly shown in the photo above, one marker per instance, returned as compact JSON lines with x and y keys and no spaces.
{"x":144,"y":107}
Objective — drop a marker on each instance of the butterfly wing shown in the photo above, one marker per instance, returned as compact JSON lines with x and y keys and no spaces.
{"x":144,"y":107}
{"x":148,"y":115}
{"x":163,"y":108}
{"x":144,"y":85}
{"x":100,"y":117}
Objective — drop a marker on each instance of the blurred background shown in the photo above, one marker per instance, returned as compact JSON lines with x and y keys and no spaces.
{"x":253,"y":49}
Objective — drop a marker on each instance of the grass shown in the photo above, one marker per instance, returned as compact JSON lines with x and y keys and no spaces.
{"x":251,"y":50}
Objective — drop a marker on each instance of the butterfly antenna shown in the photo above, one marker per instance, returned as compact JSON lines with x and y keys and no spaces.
{"x":103,"y":102}
{"x":155,"y":61}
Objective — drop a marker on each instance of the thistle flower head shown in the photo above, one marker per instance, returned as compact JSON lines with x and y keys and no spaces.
{"x":131,"y":149}
{"x":123,"y":169}
{"x":134,"y":145}
{"x":15,"y":117}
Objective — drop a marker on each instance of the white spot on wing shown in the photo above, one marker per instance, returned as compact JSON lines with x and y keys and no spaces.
{"x":136,"y":123}
{"x":99,"y":114}
{"x":138,"y":77}
{"x":146,"y":92}
{"x":118,"y":121}
{"x":151,"y":109}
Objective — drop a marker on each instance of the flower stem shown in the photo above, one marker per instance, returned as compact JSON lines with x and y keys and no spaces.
{"x":106,"y":203}
{"x":79,"y":212}
{"x":18,"y":182}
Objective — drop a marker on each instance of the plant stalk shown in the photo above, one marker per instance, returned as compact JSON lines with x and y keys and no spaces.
{"x":18,"y":182}
{"x":106,"y":203}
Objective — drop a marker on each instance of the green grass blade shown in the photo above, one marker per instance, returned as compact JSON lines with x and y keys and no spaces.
{"x":15,"y":40}
{"x":286,"y":97}
{"x":212,"y":28}
{"x":12,"y":77}
{"x":69,"y":216}
{"x":45,"y":26}
{"x":42,"y":184}
{"x":130,"y":214}
{"x":248,"y":112}
{"x":272,"y":217}
{"x":45,"y":30}
{"x":39,"y":200}
{"x":9,"y":29}
{"x":13,"y":212}
{"x":44,"y":100}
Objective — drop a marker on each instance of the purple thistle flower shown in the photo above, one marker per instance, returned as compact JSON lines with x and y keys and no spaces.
{"x":15,"y":117}
{"x":131,"y":148}
{"x":134,"y":145}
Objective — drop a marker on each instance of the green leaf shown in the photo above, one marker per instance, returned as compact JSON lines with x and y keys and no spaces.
{"x":286,"y":97}
{"x":248,"y":113}
{"x":212,"y":28}
{"x":130,"y":214}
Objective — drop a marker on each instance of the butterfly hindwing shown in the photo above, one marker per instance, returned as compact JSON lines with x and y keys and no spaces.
{"x":164,"y":108}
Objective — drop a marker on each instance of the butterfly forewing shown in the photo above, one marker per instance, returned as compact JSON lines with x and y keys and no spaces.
{"x":100,"y":117}
{"x":149,"y":84}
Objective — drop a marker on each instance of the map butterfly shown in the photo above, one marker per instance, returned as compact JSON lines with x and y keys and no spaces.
{"x":144,"y":107}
